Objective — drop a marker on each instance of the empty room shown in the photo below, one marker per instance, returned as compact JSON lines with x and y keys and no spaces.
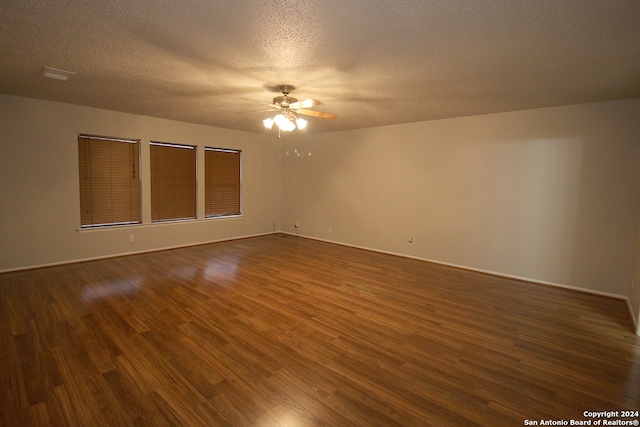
{"x":296,"y":213}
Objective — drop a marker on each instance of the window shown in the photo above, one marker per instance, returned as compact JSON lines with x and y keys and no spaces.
{"x":173,"y":182}
{"x":222,"y":182}
{"x":109,"y":181}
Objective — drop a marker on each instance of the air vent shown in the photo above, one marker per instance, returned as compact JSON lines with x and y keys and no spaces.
{"x":55,"y":73}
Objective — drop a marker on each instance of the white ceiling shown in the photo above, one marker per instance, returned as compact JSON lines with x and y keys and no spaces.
{"x":372,"y":62}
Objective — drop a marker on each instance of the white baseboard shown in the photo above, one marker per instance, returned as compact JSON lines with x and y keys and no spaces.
{"x":463,"y":267}
{"x":633,"y":317}
{"x":478,"y":270}
{"x":96,"y":258}
{"x":493,"y":273}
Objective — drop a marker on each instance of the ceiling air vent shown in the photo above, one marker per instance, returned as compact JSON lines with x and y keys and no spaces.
{"x":54,"y":73}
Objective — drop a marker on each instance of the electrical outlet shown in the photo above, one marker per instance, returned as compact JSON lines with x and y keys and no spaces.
{"x":411,"y":240}
{"x":296,"y":225}
{"x":132,"y":237}
{"x":330,"y":229}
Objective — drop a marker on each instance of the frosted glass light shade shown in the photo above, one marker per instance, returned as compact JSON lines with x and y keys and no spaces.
{"x":302,"y":123}
{"x":268,"y":123}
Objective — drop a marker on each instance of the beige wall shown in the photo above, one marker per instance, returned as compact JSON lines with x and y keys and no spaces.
{"x":547,"y":194}
{"x":550,"y":195}
{"x":39,"y":210}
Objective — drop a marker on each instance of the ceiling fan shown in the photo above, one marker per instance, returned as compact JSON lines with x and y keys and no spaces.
{"x":289,"y":108}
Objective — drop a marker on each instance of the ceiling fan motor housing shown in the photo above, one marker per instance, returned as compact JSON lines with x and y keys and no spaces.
{"x":284,"y":100}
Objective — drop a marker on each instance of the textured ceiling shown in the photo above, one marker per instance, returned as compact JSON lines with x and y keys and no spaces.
{"x":371,"y":62}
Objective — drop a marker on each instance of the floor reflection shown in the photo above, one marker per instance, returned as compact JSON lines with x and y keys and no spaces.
{"x":124,"y":287}
{"x":221,"y":270}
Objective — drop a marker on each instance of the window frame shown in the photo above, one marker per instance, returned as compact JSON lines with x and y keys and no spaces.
{"x":112,"y":184}
{"x":158,"y":212}
{"x":207,"y":183}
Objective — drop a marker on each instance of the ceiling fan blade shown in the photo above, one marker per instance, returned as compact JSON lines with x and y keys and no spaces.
{"x":320,"y":114}
{"x":307,"y":103}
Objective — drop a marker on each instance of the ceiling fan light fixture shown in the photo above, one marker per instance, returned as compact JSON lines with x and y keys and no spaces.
{"x":288,"y":109}
{"x":284,"y":123}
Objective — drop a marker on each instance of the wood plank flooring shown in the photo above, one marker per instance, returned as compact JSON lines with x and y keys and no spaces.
{"x":286,"y":331}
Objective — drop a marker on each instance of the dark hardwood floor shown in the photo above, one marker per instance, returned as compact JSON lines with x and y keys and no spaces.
{"x":286,"y":331}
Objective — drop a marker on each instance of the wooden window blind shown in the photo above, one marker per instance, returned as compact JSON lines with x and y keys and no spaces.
{"x":222,"y":182}
{"x":109,"y":171}
{"x":173,"y":181}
